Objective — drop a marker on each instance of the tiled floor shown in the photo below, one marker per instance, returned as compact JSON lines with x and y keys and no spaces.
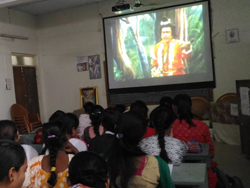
{"x":232,"y":162}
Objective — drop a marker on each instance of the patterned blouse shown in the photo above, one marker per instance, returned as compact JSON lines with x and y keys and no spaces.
{"x":175,"y":148}
{"x":37,"y":177}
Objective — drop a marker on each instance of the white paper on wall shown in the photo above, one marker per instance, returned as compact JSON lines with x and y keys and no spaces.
{"x":234,"y":109}
{"x":244,"y":98}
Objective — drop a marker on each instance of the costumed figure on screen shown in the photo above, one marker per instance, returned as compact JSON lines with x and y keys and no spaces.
{"x":168,"y":54}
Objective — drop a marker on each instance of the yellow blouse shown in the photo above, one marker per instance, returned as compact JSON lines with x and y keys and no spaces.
{"x":37,"y":177}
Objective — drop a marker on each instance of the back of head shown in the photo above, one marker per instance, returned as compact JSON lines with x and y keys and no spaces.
{"x":109,"y":118}
{"x":121,"y":156}
{"x":139,"y":107}
{"x":54,"y":137}
{"x":56,"y":116}
{"x":121,"y":107}
{"x":70,"y":121}
{"x":89,"y":169}
{"x":184,"y":108}
{"x":12,"y":155}
{"x":95,"y":118}
{"x":162,"y":120}
{"x":88,"y":106}
{"x":8,"y":130}
{"x":166,"y":102}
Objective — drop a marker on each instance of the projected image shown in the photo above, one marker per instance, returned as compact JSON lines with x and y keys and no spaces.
{"x":172,"y":42}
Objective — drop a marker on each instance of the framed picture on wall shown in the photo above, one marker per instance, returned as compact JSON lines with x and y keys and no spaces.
{"x":88,"y":94}
{"x":82,"y":63}
{"x":94,"y":67}
{"x":232,"y":35}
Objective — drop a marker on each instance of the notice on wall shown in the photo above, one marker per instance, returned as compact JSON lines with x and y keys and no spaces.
{"x":8,"y":84}
{"x":234,"y":110}
{"x":244,"y":98}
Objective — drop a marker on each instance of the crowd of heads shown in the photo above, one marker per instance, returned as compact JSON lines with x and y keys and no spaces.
{"x":89,"y":168}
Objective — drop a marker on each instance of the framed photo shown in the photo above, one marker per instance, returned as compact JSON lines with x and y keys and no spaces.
{"x":232,"y":35}
{"x":82,"y":63}
{"x":94,"y":67}
{"x":88,"y":94}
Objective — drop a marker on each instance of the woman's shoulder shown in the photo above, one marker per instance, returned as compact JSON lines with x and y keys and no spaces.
{"x":199,"y":123}
{"x":36,"y":160}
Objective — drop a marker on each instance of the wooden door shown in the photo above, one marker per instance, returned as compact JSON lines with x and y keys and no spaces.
{"x":26,"y":88}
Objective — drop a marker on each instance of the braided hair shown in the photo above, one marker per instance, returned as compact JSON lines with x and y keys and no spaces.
{"x":162,"y":119}
{"x":89,"y":169}
{"x":121,"y":158}
{"x":95,"y":115}
{"x":54,"y":136}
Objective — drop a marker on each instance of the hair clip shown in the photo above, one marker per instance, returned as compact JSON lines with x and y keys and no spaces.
{"x":52,"y":136}
{"x":53,"y":169}
{"x":119,"y":136}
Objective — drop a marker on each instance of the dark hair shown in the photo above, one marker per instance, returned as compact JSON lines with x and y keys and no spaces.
{"x":12,"y":155}
{"x":139,"y":107}
{"x":184,"y":108}
{"x":121,"y":107}
{"x":166,"y":102}
{"x":162,"y":119}
{"x":70,"y":121}
{"x":8,"y":130}
{"x":56,"y":116}
{"x":89,"y":169}
{"x":109,"y":118}
{"x":88,"y":106}
{"x":54,"y":137}
{"x":95,"y":118}
{"x":121,"y":156}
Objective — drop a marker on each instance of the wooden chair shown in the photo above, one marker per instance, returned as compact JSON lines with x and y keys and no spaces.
{"x":201,"y":108}
{"x":228,"y":98}
{"x":25,"y":122}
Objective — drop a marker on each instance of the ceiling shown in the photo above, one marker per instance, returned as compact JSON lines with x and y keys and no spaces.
{"x":38,"y":7}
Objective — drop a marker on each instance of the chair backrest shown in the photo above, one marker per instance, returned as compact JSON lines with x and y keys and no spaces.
{"x":228,"y":98}
{"x":19,"y":115}
{"x":18,"y":110}
{"x":201,"y":107}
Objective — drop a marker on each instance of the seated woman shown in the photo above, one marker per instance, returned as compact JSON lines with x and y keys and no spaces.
{"x":185,"y":127}
{"x":101,"y":144}
{"x":51,"y":170}
{"x":130,"y":167}
{"x":13,"y":164}
{"x":96,"y":129}
{"x":88,"y":169}
{"x":140,"y":107}
{"x":8,"y":130}
{"x":84,"y":120}
{"x":56,"y":116}
{"x":168,"y":148}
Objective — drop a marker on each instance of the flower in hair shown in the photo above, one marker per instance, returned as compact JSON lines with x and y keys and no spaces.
{"x":52,"y":136}
{"x":119,"y":136}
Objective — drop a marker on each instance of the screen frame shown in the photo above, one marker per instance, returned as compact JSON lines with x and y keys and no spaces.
{"x":165,"y":87}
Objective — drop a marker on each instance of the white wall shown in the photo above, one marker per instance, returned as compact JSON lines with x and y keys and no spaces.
{"x":75,"y":32}
{"x":14,"y":23}
{"x":232,"y":61}
{"x":70,"y":33}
